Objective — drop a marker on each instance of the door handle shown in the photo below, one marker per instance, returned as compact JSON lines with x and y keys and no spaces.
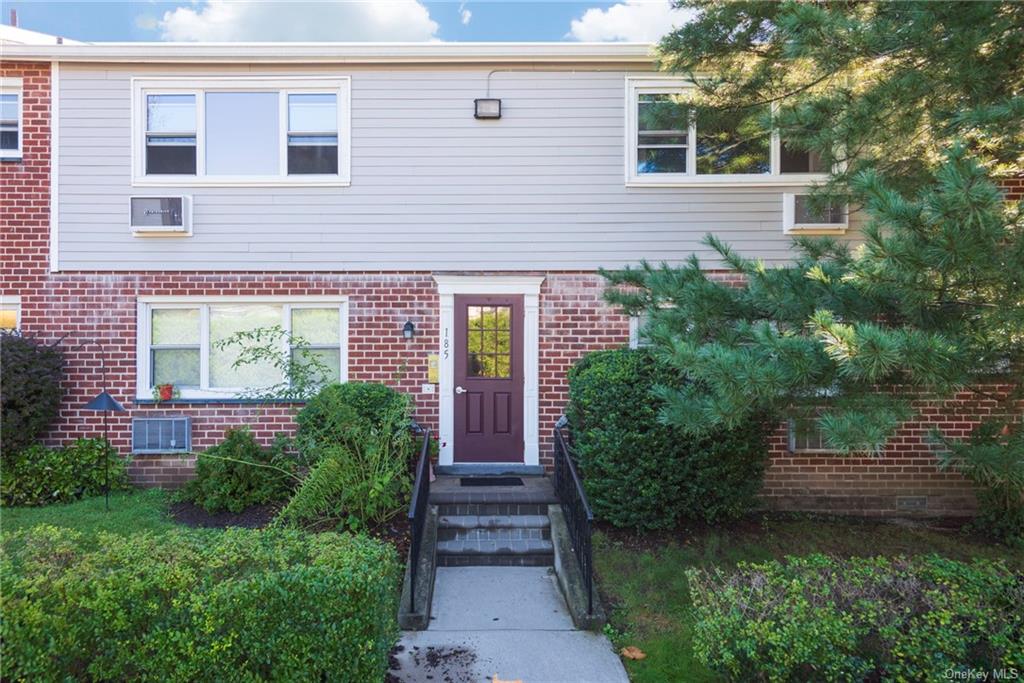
{"x":460,"y":390}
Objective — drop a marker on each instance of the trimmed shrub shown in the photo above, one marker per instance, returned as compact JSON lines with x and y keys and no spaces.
{"x":195,"y":605}
{"x":360,"y":445}
{"x":238,"y":473}
{"x":39,"y":475}
{"x":819,"y":618}
{"x":644,"y":474}
{"x":30,"y":372}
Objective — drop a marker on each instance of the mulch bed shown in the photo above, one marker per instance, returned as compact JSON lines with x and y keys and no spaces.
{"x":190,"y":514}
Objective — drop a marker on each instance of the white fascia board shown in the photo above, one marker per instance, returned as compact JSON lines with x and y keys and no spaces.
{"x":341,"y":53}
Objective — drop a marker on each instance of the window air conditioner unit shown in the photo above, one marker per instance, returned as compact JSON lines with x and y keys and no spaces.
{"x":160,"y":216}
{"x":798,"y":218}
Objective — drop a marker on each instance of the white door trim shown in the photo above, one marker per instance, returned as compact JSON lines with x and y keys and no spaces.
{"x":527,"y":285}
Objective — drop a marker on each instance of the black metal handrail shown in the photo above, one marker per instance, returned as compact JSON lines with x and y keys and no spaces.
{"x":578,"y":515}
{"x":418,"y":514}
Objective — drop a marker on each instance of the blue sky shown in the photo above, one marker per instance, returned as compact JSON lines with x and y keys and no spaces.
{"x":481,"y":20}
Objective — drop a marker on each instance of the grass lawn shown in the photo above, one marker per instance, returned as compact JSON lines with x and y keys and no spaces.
{"x":130,"y":512}
{"x":642,"y":580}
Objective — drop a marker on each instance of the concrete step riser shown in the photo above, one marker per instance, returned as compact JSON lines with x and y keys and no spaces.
{"x":494,"y":522}
{"x":495,"y":560}
{"x":480,"y":534}
{"x":491,"y":509}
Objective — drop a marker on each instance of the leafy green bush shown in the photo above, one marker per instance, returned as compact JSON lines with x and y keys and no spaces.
{"x":819,"y":618}
{"x":360,"y":445}
{"x":644,"y":474}
{"x":238,"y":473}
{"x":38,"y":475}
{"x":192,"y":605}
{"x":30,"y":371}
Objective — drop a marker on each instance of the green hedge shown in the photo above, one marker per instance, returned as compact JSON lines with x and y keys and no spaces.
{"x":197,"y":605}
{"x":38,"y":475}
{"x":819,"y":618}
{"x":641,"y":473}
{"x":32,"y":371}
{"x":238,"y":473}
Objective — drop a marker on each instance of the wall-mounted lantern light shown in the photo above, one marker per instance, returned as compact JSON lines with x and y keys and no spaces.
{"x":408,"y":330}
{"x":487,"y":108}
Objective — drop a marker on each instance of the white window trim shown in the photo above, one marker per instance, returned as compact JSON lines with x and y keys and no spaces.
{"x":790,"y":226}
{"x":529,"y":286}
{"x":342,"y":85}
{"x":146,"y":304}
{"x":636,"y":86}
{"x":10,"y":85}
{"x":10,"y":302}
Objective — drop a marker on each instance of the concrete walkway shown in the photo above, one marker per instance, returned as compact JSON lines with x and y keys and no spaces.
{"x":504,"y":624}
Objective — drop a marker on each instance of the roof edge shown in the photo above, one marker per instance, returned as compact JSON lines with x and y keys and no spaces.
{"x":338,"y":53}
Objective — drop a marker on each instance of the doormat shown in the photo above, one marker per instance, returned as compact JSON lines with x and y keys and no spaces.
{"x":490,"y":481}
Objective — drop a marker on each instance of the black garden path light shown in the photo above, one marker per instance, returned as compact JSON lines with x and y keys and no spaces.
{"x":107,"y":404}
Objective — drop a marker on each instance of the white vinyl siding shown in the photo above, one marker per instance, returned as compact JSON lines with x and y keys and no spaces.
{"x":178,"y":341}
{"x":433,"y":188}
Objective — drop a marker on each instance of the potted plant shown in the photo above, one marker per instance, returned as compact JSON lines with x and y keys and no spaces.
{"x":165,"y":392}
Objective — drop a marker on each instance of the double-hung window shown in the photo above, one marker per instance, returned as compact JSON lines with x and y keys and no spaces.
{"x":182,"y":342}
{"x":10,"y":118}
{"x":241,"y":131}
{"x":668,"y":142}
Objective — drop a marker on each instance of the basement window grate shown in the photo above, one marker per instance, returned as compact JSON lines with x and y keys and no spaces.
{"x":161,"y":434}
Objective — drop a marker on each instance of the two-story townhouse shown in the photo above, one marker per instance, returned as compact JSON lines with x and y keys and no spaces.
{"x":430,"y":216}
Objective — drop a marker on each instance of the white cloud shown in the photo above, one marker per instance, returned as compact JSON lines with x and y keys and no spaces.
{"x":323,"y":20}
{"x":464,"y":14}
{"x":631,"y":20}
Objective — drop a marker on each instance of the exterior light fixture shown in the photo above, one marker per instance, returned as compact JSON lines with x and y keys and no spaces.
{"x":105,"y":403}
{"x":408,"y":330}
{"x":487,"y":108}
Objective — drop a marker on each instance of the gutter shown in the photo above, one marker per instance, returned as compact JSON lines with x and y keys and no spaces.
{"x":339,"y":53}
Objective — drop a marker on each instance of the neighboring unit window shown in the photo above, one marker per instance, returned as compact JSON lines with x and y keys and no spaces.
{"x":171,"y":134}
{"x":10,"y":313}
{"x":186,"y":344}
{"x":239,"y":130}
{"x":670,"y":142}
{"x":663,"y":135}
{"x":10,"y":118}
{"x":806,"y":436}
{"x":735,"y":145}
{"x":637,"y":324}
{"x":312,"y":134}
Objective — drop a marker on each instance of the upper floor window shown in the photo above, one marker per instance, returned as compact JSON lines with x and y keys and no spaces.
{"x":10,"y":118}
{"x":668,"y":144}
{"x":241,"y":131}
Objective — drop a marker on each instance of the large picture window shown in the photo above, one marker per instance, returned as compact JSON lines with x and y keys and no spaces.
{"x":241,"y":131}
{"x":668,"y":143}
{"x":181,"y":342}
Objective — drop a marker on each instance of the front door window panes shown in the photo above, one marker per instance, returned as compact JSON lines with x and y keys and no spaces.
{"x":489,"y":341}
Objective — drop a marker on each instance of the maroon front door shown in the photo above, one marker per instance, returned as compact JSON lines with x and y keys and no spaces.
{"x":488,"y":378}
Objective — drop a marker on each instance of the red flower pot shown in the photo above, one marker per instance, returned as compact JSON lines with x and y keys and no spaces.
{"x":166,"y":392}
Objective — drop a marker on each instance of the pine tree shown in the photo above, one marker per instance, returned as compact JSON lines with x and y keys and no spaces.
{"x":915,"y":107}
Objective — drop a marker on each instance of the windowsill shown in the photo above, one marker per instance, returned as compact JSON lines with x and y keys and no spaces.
{"x":190,"y":181}
{"x":12,"y":159}
{"x":817,"y":230}
{"x":146,"y":454}
{"x":671,"y":180}
{"x":216,"y":401}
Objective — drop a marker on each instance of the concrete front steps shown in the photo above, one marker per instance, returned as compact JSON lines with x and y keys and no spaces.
{"x":494,"y":525}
